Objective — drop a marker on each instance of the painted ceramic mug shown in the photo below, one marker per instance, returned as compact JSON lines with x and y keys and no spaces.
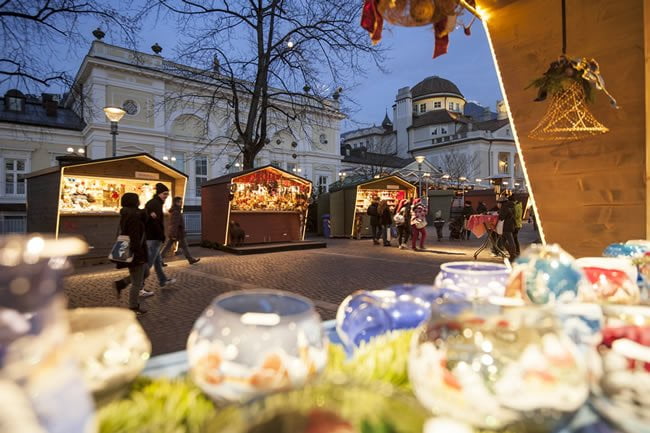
{"x":609,"y":279}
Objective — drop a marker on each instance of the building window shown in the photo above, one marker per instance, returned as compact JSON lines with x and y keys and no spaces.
{"x":292,"y":167}
{"x":323,"y":182}
{"x":15,"y":176}
{"x":200,"y":173}
{"x":131,"y":107}
{"x":178,"y":161}
{"x":503,"y":163}
{"x":276,"y":164}
{"x":423,"y":108}
{"x":518,"y":172}
{"x":437,"y":104}
{"x":451,"y":106}
{"x":15,"y":104}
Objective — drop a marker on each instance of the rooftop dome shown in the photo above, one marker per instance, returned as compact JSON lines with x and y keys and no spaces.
{"x":14,"y":93}
{"x":433,"y":85}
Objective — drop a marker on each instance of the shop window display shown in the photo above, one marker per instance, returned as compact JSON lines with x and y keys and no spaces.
{"x":102,"y":195}
{"x":364,"y":197}
{"x":269,"y":191}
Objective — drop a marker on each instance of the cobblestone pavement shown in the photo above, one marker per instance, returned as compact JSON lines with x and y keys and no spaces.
{"x":325,"y":275}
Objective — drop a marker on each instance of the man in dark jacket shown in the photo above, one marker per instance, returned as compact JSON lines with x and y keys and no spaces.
{"x":481,"y":208}
{"x":155,"y":229}
{"x":374,"y":220}
{"x":132,"y":224}
{"x":507,"y":215}
{"x":468,"y":211}
{"x":177,"y":231}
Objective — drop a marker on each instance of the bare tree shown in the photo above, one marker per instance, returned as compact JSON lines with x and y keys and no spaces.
{"x":274,"y":65}
{"x":33,"y":32}
{"x":460,"y":165}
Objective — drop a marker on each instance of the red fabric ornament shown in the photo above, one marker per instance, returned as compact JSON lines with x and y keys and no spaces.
{"x":442,"y":42}
{"x":371,"y":20}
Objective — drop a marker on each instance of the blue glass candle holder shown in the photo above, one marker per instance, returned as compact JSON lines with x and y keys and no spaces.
{"x":474,"y":279}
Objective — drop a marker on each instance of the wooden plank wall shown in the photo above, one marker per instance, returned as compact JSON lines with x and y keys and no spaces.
{"x":43,"y":203}
{"x":214,"y":213}
{"x":646,"y":28}
{"x":591,"y":192}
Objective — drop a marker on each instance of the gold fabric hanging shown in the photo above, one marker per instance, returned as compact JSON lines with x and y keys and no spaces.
{"x":568,"y":117}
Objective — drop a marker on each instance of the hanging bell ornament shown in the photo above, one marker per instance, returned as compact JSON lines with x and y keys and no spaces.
{"x":568,"y":117}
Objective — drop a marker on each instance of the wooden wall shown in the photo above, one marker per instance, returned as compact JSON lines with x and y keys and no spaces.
{"x":592,"y":192}
{"x":214,"y":213}
{"x":43,"y":203}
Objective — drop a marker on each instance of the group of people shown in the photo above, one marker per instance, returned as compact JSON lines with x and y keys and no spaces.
{"x":408,"y":217}
{"x":146,"y":231}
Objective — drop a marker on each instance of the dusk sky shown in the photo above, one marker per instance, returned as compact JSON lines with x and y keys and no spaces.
{"x":468,"y":64}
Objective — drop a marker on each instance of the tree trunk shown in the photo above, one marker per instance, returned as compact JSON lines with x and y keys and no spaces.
{"x":249,"y":153}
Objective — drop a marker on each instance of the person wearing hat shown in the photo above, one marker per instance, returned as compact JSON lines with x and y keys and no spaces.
{"x":439,"y":223}
{"x":155,"y":231}
{"x":507,"y":215}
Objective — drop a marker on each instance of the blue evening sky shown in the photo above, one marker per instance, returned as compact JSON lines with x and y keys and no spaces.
{"x":409,"y":60}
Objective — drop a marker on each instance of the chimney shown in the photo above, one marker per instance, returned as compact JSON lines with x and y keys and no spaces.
{"x":50,"y":104}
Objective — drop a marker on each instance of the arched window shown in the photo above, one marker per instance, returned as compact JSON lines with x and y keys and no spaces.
{"x":189,"y":125}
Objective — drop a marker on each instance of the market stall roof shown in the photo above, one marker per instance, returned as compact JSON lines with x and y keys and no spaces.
{"x":144,"y":158}
{"x":227,"y":178}
{"x":365,"y":182}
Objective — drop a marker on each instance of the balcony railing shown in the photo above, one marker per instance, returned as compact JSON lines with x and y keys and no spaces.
{"x":13,"y":226}
{"x":192,"y":223}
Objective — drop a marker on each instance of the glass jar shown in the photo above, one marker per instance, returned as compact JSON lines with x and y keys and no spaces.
{"x":496,"y":367}
{"x":254,"y":342}
{"x":35,"y":369}
{"x":474,"y":279}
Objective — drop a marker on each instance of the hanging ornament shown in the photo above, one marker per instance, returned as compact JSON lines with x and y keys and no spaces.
{"x":441,"y":14}
{"x":569,"y":82}
{"x":568,"y":117}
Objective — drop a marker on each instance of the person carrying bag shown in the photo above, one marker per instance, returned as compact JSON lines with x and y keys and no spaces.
{"x":418,"y":225}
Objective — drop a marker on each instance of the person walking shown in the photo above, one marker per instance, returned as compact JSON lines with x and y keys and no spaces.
{"x":518,"y":215}
{"x":155,"y":231}
{"x":385,"y":220}
{"x":418,"y":224}
{"x":481,"y":209}
{"x":439,"y":223}
{"x":374,"y":219}
{"x":402,"y":220}
{"x":132,"y":224}
{"x":506,"y":214}
{"x":177,"y":231}
{"x":468,"y":211}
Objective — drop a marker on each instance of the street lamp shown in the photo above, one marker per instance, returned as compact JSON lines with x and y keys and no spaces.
{"x":419,"y":159}
{"x":114,"y":114}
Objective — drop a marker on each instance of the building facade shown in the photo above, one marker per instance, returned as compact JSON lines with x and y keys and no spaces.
{"x":197,"y":143}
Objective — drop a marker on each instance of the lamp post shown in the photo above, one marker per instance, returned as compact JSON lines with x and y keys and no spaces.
{"x":419,"y":159}
{"x":114,"y":114}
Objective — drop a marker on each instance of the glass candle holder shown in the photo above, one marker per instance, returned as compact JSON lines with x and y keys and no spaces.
{"x":366,"y":314}
{"x":497,"y":367}
{"x":545,"y":274}
{"x":475,"y":279}
{"x":111,"y":347}
{"x":253,"y":342}
{"x":610,"y":280}
{"x":623,"y":393}
{"x":35,"y":369}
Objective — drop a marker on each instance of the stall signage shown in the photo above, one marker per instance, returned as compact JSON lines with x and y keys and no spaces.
{"x":147,"y":175}
{"x":392,"y":186}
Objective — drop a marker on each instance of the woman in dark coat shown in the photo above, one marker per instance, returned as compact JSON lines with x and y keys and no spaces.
{"x":507,"y":215}
{"x":177,"y":231}
{"x":132,"y":224}
{"x":386,"y":220}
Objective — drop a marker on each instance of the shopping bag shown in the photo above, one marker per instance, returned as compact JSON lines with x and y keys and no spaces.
{"x":121,"y":250}
{"x":499,"y":228}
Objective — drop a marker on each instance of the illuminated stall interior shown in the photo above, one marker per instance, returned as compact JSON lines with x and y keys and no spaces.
{"x":592,"y":191}
{"x":267,"y":204}
{"x":83,"y":198}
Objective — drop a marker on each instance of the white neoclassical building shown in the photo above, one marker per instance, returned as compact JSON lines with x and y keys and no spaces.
{"x":35,"y":130}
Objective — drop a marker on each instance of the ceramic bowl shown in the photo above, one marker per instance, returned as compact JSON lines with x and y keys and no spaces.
{"x":497,"y":367}
{"x":609,"y":279}
{"x":366,"y":314}
{"x":253,"y":342}
{"x":625,"y":353}
{"x":475,"y":279}
{"x":545,"y":274}
{"x":111,"y":347}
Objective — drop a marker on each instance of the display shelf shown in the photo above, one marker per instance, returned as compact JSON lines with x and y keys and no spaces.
{"x":267,"y":191}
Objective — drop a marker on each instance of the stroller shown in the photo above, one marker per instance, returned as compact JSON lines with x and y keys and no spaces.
{"x":456,"y":228}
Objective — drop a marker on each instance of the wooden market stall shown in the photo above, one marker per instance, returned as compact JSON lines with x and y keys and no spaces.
{"x":591,"y":191}
{"x":269,"y":205}
{"x":349,"y":204}
{"x":83,"y":198}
